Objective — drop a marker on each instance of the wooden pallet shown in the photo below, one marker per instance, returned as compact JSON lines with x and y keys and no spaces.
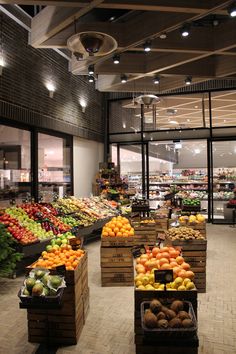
{"x":117,"y":241}
{"x":117,"y":276}
{"x":116,"y":257}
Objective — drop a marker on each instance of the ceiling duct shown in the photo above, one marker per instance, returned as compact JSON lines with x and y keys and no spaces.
{"x":147,"y":100}
{"x":90,"y":43}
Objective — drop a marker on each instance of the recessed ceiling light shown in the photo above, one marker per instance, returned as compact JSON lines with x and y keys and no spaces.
{"x":188,"y":80}
{"x":195,"y":106}
{"x":188,"y":120}
{"x":173,"y":122}
{"x":197,"y":151}
{"x":116,"y":59}
{"x":185,"y":30}
{"x":91,"y":78}
{"x":163,"y":36}
{"x":156,"y":80}
{"x":224,"y":120}
{"x":123,"y":79}
{"x":124,"y":125}
{"x":232,"y":10}
{"x":112,"y":18}
{"x":91,"y":69}
{"x":147,"y":46}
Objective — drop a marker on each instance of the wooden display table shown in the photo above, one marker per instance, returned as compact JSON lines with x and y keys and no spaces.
{"x":64,"y":325}
{"x":117,"y":261}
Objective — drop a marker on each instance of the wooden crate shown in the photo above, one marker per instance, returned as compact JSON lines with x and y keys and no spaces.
{"x":123,"y":276}
{"x":195,"y":253}
{"x":145,"y":238}
{"x":85,"y":299}
{"x":161,"y":224}
{"x":84,"y":274}
{"x":117,"y":241}
{"x":61,"y":326}
{"x":116,"y":257}
{"x":154,"y":345}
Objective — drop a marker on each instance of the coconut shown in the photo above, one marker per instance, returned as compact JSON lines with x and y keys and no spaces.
{"x":183,"y":315}
{"x":150,"y":320}
{"x":161,"y":316}
{"x":155,"y":306}
{"x":162,"y":324}
{"x":187,"y":323}
{"x":177,"y":306}
{"x":175,"y":323}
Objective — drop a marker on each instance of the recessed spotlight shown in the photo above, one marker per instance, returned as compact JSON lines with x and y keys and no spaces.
{"x":156,"y":80}
{"x":91,"y":78}
{"x":224,"y":120}
{"x":188,"y":80}
{"x":123,"y":79}
{"x":163,"y":36}
{"x":185,"y":31}
{"x":232,"y":10}
{"x":124,"y":125}
{"x":116,"y":59}
{"x":188,"y":120}
{"x":147,"y":46}
{"x":51,"y":88}
{"x":91,"y":69}
{"x":173,"y":122}
{"x":196,"y":107}
{"x":112,"y":18}
{"x":197,"y":151}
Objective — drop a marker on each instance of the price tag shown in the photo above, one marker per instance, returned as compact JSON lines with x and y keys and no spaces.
{"x":12,"y":201}
{"x":163,"y":276}
{"x":61,"y":270}
{"x":137,"y":251}
{"x":75,"y":243}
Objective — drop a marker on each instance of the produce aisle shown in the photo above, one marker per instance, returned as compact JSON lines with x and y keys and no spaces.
{"x":109,"y":326}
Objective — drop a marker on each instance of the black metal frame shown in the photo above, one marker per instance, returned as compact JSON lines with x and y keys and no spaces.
{"x":145,"y":142}
{"x":34,"y":131}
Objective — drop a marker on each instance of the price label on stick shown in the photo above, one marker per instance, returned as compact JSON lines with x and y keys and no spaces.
{"x":137,"y":251}
{"x":163,"y":276}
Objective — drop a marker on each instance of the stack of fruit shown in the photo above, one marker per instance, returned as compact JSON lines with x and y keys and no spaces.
{"x":118,"y":226}
{"x":173,"y":315}
{"x":59,"y":255}
{"x":191,"y":202}
{"x":192,"y":219}
{"x":183,"y":234}
{"x":163,"y":258}
{"x":41,"y":283}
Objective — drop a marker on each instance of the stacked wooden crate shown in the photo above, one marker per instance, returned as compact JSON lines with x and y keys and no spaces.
{"x":201,"y":227}
{"x":145,"y":231}
{"x":117,"y":261}
{"x":195,"y":253}
{"x":148,"y":344}
{"x":63,"y":325}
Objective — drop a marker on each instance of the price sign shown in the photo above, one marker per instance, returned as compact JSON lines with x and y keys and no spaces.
{"x":163,"y":276}
{"x":75,"y":243}
{"x":61,"y":270}
{"x":137,"y":251}
{"x":12,"y":201}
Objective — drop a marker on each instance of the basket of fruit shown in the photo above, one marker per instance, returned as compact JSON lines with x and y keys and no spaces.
{"x":42,"y":290}
{"x":168,"y":319}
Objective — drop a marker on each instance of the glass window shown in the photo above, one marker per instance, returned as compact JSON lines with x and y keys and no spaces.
{"x":15,"y":165}
{"x":224,"y":180}
{"x":54,"y":170}
{"x":223,"y":105}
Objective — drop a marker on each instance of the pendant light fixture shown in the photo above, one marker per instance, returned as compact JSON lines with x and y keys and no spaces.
{"x":147,"y":46}
{"x":232,"y":10}
{"x":116,"y":59}
{"x":147,"y":99}
{"x":91,"y":69}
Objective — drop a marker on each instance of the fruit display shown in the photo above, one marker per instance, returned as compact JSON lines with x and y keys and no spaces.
{"x":184,"y":233}
{"x":8,"y":256}
{"x":60,"y":255}
{"x":164,"y":315}
{"x":41,"y":283}
{"x":69,"y":220}
{"x":18,"y":232}
{"x":191,"y":202}
{"x":192,"y":219}
{"x":118,"y":226}
{"x":232,"y":202}
{"x":164,"y":258}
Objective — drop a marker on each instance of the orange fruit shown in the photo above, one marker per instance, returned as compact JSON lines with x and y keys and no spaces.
{"x":111,"y":234}
{"x":125,"y":234}
{"x":119,"y":224}
{"x":105,"y":234}
{"x":119,"y":233}
{"x":116,"y":229}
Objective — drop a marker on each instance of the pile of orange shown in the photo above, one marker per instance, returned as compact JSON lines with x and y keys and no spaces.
{"x":62,"y":256}
{"x":118,"y":226}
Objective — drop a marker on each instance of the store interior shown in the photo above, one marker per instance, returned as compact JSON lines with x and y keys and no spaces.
{"x":117,"y":177}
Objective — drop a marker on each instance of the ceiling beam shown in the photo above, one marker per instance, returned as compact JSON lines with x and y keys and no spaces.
{"x":184,"y":6}
{"x":52,"y":20}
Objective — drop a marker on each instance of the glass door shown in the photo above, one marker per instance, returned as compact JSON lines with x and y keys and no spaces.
{"x":223,"y":180}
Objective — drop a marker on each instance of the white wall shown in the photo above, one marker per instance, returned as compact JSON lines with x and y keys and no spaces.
{"x":87,"y":155}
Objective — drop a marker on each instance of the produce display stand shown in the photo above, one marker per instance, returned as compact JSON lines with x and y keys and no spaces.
{"x":201,"y":227}
{"x":117,"y":261}
{"x":33,"y":249}
{"x":64,"y":325}
{"x":146,"y":345}
{"x":195,"y":253}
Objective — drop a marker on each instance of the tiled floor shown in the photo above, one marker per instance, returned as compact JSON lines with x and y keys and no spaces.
{"x":109,"y":326}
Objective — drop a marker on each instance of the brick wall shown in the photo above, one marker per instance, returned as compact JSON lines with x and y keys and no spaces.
{"x":24,"y":97}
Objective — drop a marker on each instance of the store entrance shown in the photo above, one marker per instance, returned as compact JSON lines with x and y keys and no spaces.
{"x":223,"y":181}
{"x":179,"y":169}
